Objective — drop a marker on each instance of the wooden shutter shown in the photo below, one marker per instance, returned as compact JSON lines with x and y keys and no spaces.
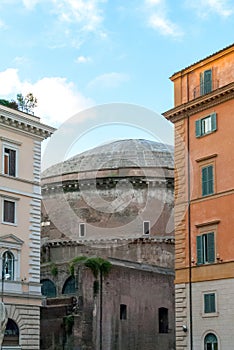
{"x":213,"y":122}
{"x":201,"y":84}
{"x":12,"y":154}
{"x":207,"y":81}
{"x":200,"y":259}
{"x":210,"y":180}
{"x":210,"y":247}
{"x":209,"y":303}
{"x":204,"y":181}
{"x":198,"y":128}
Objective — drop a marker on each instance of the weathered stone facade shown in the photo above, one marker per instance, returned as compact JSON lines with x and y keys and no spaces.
{"x":132,"y":307}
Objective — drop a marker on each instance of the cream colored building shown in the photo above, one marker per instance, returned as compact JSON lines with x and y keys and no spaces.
{"x":21,"y":135}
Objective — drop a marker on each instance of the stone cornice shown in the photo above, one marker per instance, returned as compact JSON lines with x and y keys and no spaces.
{"x":24,"y":123}
{"x":201,"y":103}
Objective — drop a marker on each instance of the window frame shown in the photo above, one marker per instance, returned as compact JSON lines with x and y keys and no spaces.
{"x":16,"y":150}
{"x":146,"y":230}
{"x":6,"y":199}
{"x":209,"y":295}
{"x":12,"y":265}
{"x":199,"y":125}
{"x":206,"y":254}
{"x":82,"y":225}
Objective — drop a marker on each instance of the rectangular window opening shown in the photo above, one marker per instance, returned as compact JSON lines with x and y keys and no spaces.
{"x":82,"y":230}
{"x":209,"y":303}
{"x":207,"y":180}
{"x":123,"y":312}
{"x":9,"y":161}
{"x":146,"y":228}
{"x":206,"y":248}
{"x":9,"y":211}
{"x":163,"y":320}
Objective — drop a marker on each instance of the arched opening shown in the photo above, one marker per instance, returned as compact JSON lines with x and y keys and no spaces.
{"x":8,"y":265}
{"x":211,"y":342}
{"x":11,"y":336}
{"x":48,"y":288}
{"x":69,"y":286}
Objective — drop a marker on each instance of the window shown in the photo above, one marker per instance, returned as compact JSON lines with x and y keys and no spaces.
{"x":11,"y":336}
{"x":9,"y":215}
{"x":69,"y":286}
{"x":206,"y":82}
{"x":163,"y":320}
{"x":210,"y":342}
{"x":82,"y":230}
{"x":146,"y":228}
{"x":8,"y":266}
{"x":123,"y":311}
{"x":207,"y":180}
{"x":209,"y":303}
{"x":206,"y":125}
{"x":9,"y":165}
{"x":205,"y":248}
{"x":48,"y":288}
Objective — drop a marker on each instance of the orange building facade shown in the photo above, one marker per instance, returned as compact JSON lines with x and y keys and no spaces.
{"x":204,"y":201}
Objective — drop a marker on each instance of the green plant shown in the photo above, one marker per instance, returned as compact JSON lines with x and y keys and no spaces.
{"x":53,"y":269}
{"x":68,"y":323}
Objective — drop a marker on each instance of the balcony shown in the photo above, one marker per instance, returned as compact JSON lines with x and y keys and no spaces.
{"x":205,"y":88}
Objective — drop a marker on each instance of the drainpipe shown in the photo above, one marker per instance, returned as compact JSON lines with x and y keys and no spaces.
{"x":189,"y":237}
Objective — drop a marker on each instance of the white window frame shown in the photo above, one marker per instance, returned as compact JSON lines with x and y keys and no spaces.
{"x":82,"y":224}
{"x":13,"y":148}
{"x":144,"y":230}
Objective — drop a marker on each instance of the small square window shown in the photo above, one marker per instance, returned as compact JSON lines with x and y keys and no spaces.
{"x":9,"y":215}
{"x":146,"y":228}
{"x":123,"y":311}
{"x":209,"y":303}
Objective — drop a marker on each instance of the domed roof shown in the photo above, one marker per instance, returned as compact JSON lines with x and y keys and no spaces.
{"x":128,"y":153}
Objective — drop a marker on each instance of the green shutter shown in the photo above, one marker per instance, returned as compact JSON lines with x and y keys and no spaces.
{"x":213,"y":122}
{"x":210,"y":180}
{"x":204,"y":181}
{"x":201,"y":84}
{"x":209,"y":303}
{"x":198,"y":127}
{"x":199,"y":250}
{"x":210,"y":247}
{"x":207,"y":81}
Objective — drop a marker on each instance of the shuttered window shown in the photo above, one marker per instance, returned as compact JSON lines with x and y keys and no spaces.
{"x":209,"y":303}
{"x":205,"y":248}
{"x":206,"y":82}
{"x":207,"y":180}
{"x":206,"y":125}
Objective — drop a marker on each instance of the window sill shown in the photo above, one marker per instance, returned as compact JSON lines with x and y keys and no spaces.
{"x":210,"y":314}
{"x":9,"y":223}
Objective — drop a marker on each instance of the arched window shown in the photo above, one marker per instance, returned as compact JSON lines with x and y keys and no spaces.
{"x":48,"y":288}
{"x":8,"y":265}
{"x":69,"y":286}
{"x":163,"y":320}
{"x":211,"y":342}
{"x":11,"y":336}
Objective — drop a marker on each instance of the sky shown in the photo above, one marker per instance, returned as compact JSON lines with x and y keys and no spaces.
{"x":74,"y":55}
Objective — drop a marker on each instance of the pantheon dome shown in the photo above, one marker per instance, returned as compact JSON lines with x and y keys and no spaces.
{"x":119,"y":190}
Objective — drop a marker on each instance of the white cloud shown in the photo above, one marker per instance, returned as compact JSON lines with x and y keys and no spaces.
{"x":83,"y":59}
{"x":2,"y":25}
{"x":164,"y":26}
{"x":156,"y":13}
{"x":30,"y":4}
{"x":205,"y":7}
{"x":57,"y":98}
{"x":108,"y":80}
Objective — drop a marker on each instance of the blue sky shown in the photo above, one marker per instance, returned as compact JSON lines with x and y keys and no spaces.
{"x":75,"y":54}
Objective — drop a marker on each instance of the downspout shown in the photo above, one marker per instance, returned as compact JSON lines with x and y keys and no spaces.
{"x":189,"y":237}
